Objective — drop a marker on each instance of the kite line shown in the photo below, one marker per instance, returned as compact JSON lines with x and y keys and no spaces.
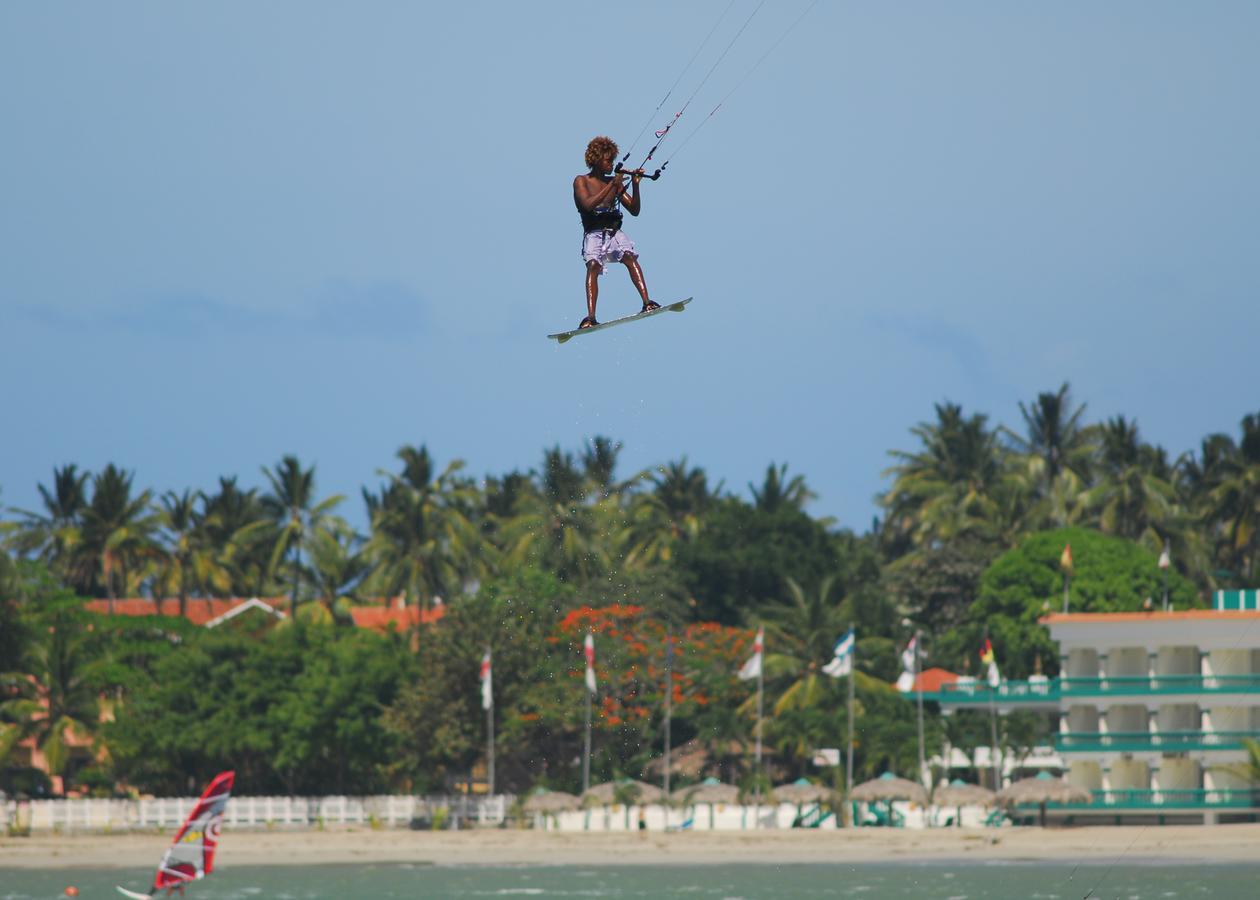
{"x":662,"y":133}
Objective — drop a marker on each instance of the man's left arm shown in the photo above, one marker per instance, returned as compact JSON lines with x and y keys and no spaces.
{"x":632,"y":203}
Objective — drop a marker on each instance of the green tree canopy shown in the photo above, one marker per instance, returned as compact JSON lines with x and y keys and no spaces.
{"x":1110,"y":574}
{"x":742,"y":556}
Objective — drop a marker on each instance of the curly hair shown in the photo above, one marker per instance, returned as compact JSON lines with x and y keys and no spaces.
{"x":598,"y":148}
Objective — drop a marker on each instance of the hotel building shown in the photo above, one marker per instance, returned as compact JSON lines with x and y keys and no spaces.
{"x":1150,"y":706}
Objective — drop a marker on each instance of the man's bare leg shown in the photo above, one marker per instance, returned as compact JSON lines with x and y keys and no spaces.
{"x":636,"y":276}
{"x":593,"y":269}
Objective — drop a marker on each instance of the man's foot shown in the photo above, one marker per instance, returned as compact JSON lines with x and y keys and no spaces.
{"x":649,"y":306}
{"x":588,"y":322}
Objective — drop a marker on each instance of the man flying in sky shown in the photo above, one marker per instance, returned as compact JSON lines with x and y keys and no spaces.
{"x":599,"y":196}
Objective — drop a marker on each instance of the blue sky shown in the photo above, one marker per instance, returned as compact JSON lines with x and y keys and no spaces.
{"x":233,"y":231}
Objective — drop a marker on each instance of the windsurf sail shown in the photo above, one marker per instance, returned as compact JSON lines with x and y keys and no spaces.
{"x":191,"y":854}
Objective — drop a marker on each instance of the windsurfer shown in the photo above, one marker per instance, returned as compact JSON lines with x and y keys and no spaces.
{"x":599,"y":195}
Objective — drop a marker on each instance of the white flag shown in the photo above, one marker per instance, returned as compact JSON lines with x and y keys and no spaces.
{"x":909,"y":665}
{"x":842,"y":659}
{"x":588,"y":649}
{"x":752,"y":668}
{"x":487,"y":694}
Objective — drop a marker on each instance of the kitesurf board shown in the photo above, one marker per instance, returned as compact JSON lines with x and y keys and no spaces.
{"x":132,"y":894}
{"x":670,"y":307}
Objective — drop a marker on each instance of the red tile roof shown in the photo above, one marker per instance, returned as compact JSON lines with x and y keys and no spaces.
{"x":1153,"y":616}
{"x":932,"y":679}
{"x":378,"y":617}
{"x":200,"y":610}
{"x":385,"y":618}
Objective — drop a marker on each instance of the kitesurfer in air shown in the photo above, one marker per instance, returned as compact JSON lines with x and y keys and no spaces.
{"x":600,"y":194}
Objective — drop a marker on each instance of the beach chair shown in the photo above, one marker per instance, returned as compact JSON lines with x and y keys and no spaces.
{"x":997,"y":818}
{"x":684,"y":826}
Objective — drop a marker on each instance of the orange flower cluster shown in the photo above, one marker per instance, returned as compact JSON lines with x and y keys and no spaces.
{"x":586,"y":618}
{"x":630,"y":660}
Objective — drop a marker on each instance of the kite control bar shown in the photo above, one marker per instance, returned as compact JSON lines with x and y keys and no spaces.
{"x":653,"y":177}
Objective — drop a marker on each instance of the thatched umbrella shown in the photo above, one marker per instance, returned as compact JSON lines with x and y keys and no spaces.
{"x":626,"y":791}
{"x":606,"y":794}
{"x":800,"y":792}
{"x":710,"y":791}
{"x":548,"y":803}
{"x":1042,"y":789}
{"x":959,"y":794}
{"x":888,"y":787}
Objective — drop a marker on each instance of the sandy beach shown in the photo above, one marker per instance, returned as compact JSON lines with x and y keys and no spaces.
{"x":1223,"y":844}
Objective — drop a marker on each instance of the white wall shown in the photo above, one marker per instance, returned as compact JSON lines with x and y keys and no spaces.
{"x":1178,"y":717}
{"x":1129,"y":774}
{"x":1127,"y":661}
{"x":1082,"y":662}
{"x":1177,"y":773}
{"x":1181,"y":660}
{"x":1085,"y":774}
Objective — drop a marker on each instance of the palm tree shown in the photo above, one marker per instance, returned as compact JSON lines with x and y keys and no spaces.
{"x":240,"y":536}
{"x":190,"y":561}
{"x":1249,"y":769}
{"x":1134,"y":497}
{"x":423,"y":543}
{"x":337,"y":570}
{"x":564,"y":530}
{"x":778,"y":492}
{"x":1056,"y":451}
{"x":949,"y":488}
{"x":669,"y":514}
{"x":599,"y":465}
{"x":1234,"y":502}
{"x":803,"y":629}
{"x":118,"y":532}
{"x":1054,"y":435}
{"x":55,"y":698}
{"x":297,"y":516}
{"x":53,"y":535}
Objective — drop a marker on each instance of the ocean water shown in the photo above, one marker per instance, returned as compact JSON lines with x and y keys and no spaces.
{"x":1133,"y":880}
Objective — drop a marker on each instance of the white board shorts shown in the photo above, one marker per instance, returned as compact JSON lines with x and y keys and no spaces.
{"x":606,"y":247}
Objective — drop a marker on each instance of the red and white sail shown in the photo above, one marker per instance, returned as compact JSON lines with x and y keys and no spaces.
{"x":191,"y":854}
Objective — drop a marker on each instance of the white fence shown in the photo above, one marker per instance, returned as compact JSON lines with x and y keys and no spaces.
{"x":390,"y":811}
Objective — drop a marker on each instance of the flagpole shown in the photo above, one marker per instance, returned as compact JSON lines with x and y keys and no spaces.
{"x":757,"y":783}
{"x":1065,"y":563}
{"x":669,"y":706}
{"x":918,"y":681}
{"x":490,"y":737}
{"x":586,"y":749}
{"x":1165,"y":560}
{"x":993,"y":748}
{"x":848,"y":763}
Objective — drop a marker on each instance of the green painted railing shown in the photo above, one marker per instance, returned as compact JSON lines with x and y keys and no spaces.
{"x":1175,"y":799}
{"x":1159,"y":684}
{"x":1156,"y":741}
{"x":1053,"y":690}
{"x":980,"y":693}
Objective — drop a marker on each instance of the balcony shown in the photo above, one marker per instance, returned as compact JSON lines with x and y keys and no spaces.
{"x":1200,"y":798}
{"x":1143,"y":685}
{"x":1149,"y":741}
{"x":1052,"y":691}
